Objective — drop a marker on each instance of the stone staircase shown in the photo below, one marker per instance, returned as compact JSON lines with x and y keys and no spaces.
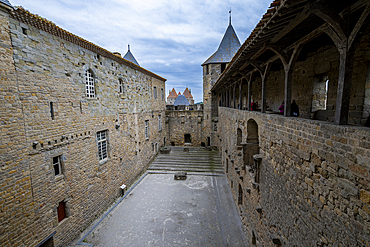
{"x":187,"y":159}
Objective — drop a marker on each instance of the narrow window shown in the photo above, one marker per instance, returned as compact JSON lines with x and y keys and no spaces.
{"x":90,"y":85}
{"x":146,"y":129}
{"x":52,"y":110}
{"x":24,"y":31}
{"x":120,"y":82}
{"x":223,"y":67}
{"x":80,"y":107}
{"x":61,"y":211}
{"x":155,"y":92}
{"x":102,"y":145}
{"x":162,"y":94}
{"x":240,"y":195}
{"x":159,"y":122}
{"x":57,"y":165}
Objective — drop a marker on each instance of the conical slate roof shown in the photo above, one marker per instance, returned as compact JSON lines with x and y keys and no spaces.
{"x":130,"y":57}
{"x":181,"y":100}
{"x":6,"y":2}
{"x":230,"y":44}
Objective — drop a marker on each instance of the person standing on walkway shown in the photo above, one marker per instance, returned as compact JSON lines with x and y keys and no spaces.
{"x":294,"y":109}
{"x":281,"y":108}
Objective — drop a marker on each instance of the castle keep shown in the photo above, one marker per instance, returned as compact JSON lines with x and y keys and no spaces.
{"x":77,"y":122}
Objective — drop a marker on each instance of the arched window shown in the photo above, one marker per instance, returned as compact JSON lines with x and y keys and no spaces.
{"x":90,"y":84}
{"x":239,"y":137}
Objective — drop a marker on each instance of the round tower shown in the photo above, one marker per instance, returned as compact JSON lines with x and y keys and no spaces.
{"x":212,"y":69}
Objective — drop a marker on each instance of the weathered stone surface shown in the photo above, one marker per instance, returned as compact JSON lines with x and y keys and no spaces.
{"x":37,"y":69}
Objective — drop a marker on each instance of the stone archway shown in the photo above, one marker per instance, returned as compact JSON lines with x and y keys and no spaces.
{"x":251,"y":147}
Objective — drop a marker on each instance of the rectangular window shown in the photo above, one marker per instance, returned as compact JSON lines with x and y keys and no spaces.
{"x":162,"y":94}
{"x":102,"y":145}
{"x":159,"y":122}
{"x":89,"y":83}
{"x":57,"y":164}
{"x":120,"y":86}
{"x":51,"y":110}
{"x":146,"y":129}
{"x":155,"y":92}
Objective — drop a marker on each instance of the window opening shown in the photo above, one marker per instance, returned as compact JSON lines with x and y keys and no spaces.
{"x":24,"y":31}
{"x":239,"y":137}
{"x":227,"y":165}
{"x":155,"y":92}
{"x":320,"y":93}
{"x":240,"y":195}
{"x":223,"y":67}
{"x":207,"y":69}
{"x":159,"y":122}
{"x":57,"y":165}
{"x":90,"y":84}
{"x":162,"y":94}
{"x":146,"y":129}
{"x":52,"y":110}
{"x":102,"y":145}
{"x":120,"y":85}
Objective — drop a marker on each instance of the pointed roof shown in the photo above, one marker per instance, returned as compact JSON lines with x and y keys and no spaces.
{"x":181,"y":100}
{"x":179,"y":93}
{"x":6,"y":2}
{"x":128,"y":56}
{"x":187,"y":93}
{"x":229,"y":45}
{"x":172,"y":94}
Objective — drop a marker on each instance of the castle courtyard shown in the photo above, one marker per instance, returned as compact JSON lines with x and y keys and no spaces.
{"x":162,"y":211}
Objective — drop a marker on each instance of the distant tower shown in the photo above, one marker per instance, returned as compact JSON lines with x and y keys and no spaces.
{"x":212,"y":69}
{"x":189,"y":97}
{"x":128,"y":56}
{"x":171,"y":97}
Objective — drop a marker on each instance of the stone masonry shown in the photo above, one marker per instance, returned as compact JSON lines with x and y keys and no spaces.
{"x":45,"y":114}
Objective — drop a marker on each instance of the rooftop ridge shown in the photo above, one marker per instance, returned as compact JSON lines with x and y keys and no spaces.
{"x":45,"y":25}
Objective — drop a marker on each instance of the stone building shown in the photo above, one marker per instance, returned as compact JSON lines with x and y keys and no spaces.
{"x":213,"y":67}
{"x":184,"y":125}
{"x":299,"y":181}
{"x":76,"y":122}
{"x":171,"y":97}
{"x":188,"y":96}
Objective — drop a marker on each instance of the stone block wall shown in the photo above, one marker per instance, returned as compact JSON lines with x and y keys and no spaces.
{"x":45,"y":114}
{"x":181,"y":122}
{"x":308,"y":184}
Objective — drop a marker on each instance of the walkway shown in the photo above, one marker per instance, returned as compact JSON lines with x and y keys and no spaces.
{"x":161,"y":211}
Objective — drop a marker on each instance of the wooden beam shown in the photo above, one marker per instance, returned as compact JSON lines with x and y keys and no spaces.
{"x":330,"y":16}
{"x":280,"y":52}
{"x":358,"y":26}
{"x":297,"y":20}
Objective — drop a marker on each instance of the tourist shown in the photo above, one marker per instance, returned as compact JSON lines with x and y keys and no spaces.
{"x":294,"y":109}
{"x":281,"y":108}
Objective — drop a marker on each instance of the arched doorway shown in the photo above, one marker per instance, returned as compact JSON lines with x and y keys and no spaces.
{"x":252,"y":146}
{"x":187,"y":138}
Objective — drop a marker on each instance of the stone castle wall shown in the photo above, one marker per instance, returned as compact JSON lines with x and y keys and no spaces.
{"x":298,"y":182}
{"x":40,"y":70}
{"x":181,"y":122}
{"x":210,"y":111}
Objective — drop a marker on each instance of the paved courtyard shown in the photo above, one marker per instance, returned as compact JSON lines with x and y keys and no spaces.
{"x":161,"y":211}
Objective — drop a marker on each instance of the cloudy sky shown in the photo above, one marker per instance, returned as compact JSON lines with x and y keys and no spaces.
{"x":171,"y":38}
